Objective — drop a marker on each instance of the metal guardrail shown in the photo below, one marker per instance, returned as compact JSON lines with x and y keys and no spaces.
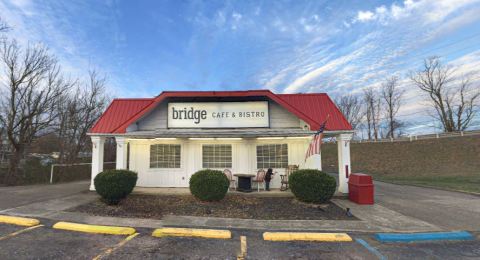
{"x":421,"y":137}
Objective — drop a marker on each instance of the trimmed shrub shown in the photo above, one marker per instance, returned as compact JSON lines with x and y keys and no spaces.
{"x":310,"y":185}
{"x":115,"y":185}
{"x":209,"y":185}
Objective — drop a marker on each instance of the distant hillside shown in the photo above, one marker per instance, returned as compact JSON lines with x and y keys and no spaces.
{"x":456,"y":156}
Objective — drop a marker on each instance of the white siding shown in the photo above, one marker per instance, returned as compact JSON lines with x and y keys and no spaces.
{"x":282,"y":118}
{"x":243,"y":159}
{"x":155,"y":119}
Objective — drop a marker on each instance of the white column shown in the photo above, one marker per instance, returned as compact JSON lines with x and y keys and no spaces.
{"x":121,"y":162}
{"x":344,"y":168}
{"x":97,"y":157}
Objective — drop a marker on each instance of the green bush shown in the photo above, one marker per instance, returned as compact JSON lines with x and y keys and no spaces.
{"x":311,"y":185}
{"x":209,"y":185}
{"x":115,"y":185}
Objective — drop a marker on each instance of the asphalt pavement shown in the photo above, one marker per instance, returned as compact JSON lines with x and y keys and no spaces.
{"x":16,"y":196}
{"x":47,"y":243}
{"x":449,"y":210}
{"x":446,"y":209}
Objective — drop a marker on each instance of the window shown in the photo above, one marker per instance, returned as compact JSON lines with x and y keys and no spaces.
{"x":217,"y":156}
{"x":272,"y":156}
{"x":165,"y":156}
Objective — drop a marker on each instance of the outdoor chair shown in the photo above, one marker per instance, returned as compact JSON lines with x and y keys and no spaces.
{"x":260,"y":179}
{"x":229,"y":175}
{"x":289,"y":170}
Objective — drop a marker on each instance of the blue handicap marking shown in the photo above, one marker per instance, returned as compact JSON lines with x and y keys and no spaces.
{"x":371,"y":248}
{"x":431,"y":236}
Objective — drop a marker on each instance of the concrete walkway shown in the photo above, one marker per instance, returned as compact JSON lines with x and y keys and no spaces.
{"x":16,"y":196}
{"x":445,"y":209}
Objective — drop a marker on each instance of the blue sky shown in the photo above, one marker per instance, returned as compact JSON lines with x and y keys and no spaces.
{"x":145,"y":47}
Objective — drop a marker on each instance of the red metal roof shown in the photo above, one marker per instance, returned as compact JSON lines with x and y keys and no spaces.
{"x":318,"y":106}
{"x":119,"y":111}
{"x":312,"y":108}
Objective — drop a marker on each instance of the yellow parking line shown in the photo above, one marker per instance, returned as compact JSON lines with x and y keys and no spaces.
{"x":294,"y":236}
{"x":117,"y":246}
{"x":109,"y":230}
{"x":19,"y":232}
{"x":192,"y":232}
{"x":243,"y":248}
{"x":27,"y":222}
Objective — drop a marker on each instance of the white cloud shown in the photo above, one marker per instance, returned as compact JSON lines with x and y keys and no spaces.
{"x":429,"y":11}
{"x":48,"y":23}
{"x":236,"y":16}
{"x":328,"y":67}
{"x":364,"y":16}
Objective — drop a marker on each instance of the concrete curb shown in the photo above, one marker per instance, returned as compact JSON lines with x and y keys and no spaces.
{"x":192,"y":232}
{"x":316,"y":237}
{"x":109,"y":230}
{"x":19,"y":221}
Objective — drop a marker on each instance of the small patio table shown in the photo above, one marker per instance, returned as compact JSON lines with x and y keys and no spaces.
{"x":244,"y":182}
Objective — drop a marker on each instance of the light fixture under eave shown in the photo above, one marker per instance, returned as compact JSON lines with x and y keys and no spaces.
{"x":200,"y":138}
{"x":270,"y":138}
{"x":229,"y":138}
{"x":166,"y":138}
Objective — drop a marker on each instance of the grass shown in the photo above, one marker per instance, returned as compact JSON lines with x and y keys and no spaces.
{"x":446,"y":163}
{"x":457,"y":183}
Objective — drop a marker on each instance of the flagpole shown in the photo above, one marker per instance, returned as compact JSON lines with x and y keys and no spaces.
{"x":315,"y":145}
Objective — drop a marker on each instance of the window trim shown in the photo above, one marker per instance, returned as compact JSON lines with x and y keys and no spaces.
{"x":270,"y":144}
{"x":164,"y":168}
{"x":217,"y":144}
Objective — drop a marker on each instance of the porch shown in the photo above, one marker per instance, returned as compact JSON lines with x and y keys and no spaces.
{"x":241,"y":151}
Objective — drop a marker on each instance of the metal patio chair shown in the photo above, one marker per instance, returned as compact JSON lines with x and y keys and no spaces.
{"x":284,"y":182}
{"x":229,"y":175}
{"x":260,"y":179}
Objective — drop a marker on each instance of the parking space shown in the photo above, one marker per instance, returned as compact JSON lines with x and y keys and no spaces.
{"x":260,"y":249}
{"x":425,"y":250}
{"x":8,"y":229}
{"x":148,"y":247}
{"x":47,"y":243}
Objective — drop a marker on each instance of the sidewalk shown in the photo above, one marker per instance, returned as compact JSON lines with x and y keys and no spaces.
{"x":374,"y":218}
{"x":15,"y":196}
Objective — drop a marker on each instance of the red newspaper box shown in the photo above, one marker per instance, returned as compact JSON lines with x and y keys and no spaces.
{"x":360,"y":188}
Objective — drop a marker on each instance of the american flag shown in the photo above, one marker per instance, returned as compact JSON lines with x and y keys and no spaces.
{"x":316,"y":143}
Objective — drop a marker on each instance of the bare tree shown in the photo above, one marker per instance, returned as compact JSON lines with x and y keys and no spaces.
{"x":28,"y":96}
{"x":3,"y":26}
{"x":372,"y":112}
{"x":78,"y":111}
{"x":351,"y":108}
{"x":392,"y":100}
{"x":455,"y":104}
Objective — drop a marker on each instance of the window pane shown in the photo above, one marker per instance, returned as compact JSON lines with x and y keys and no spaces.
{"x":165,"y":156}
{"x":272,"y":156}
{"x":217,"y":156}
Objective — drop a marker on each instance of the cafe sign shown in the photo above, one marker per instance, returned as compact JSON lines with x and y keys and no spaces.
{"x":218,"y":114}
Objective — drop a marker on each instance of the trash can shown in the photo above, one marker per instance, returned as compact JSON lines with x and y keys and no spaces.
{"x":360,"y":188}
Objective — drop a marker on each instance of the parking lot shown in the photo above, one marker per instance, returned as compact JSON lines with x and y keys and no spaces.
{"x":44,"y":242}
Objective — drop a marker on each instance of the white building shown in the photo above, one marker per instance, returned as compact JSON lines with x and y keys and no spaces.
{"x":168,"y":138}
